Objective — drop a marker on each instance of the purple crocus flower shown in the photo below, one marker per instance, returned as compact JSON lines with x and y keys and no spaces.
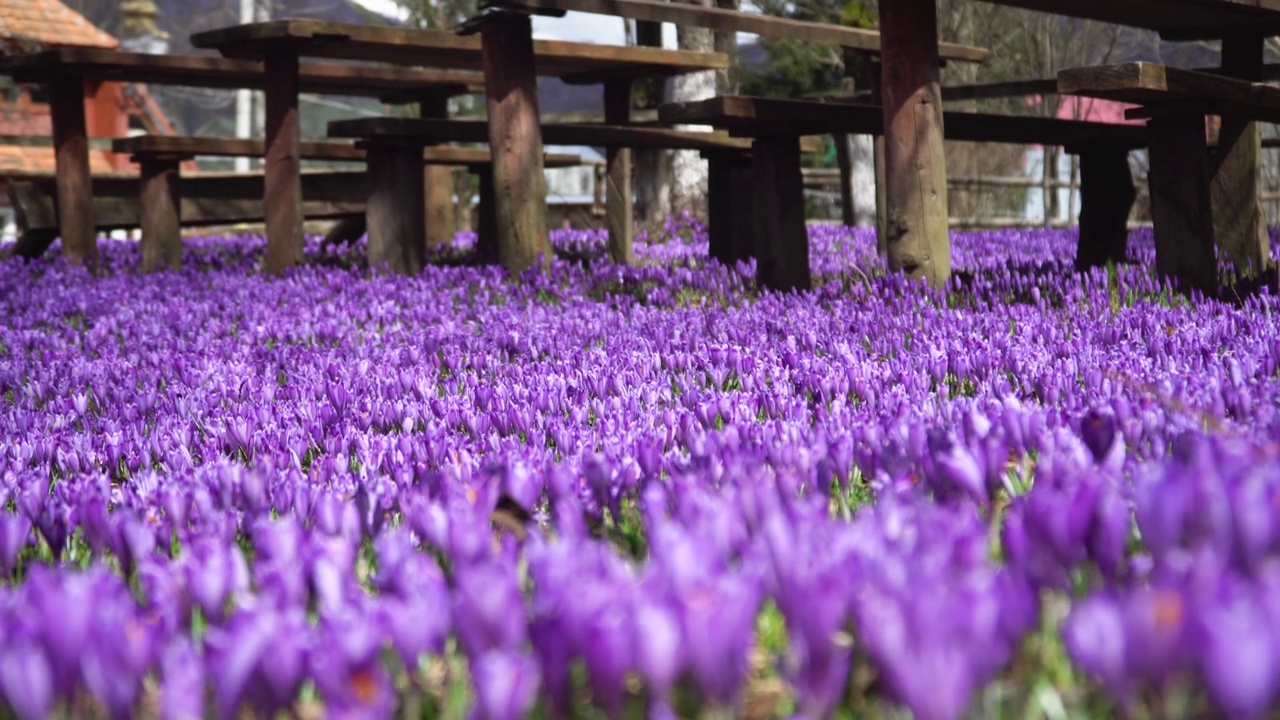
{"x":506,"y":685}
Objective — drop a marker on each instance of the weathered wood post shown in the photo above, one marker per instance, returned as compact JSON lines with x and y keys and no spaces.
{"x":439,"y":181}
{"x":915,"y":166}
{"x":782,"y":240}
{"x":515,"y":139}
{"x":1181,"y":211}
{"x":282,"y":178}
{"x":74,"y":183}
{"x":731,"y":228}
{"x":397,"y":225}
{"x":487,"y":222}
{"x":160,"y":207}
{"x":1236,"y":166}
{"x":619,"y":217}
{"x":1106,"y":198}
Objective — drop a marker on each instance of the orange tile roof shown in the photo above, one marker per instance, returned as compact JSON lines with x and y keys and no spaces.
{"x":32,"y":25}
{"x":25,"y":118}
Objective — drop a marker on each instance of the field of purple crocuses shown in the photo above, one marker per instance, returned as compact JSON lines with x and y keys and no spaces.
{"x":636,"y":492}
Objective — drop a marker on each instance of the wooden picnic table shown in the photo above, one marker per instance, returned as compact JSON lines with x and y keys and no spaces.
{"x":779,"y":241}
{"x":915,"y":195}
{"x":65,"y":71}
{"x":511,"y":61}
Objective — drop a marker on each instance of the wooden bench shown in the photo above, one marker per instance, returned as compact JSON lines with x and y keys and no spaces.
{"x":206,"y":199}
{"x":780,"y":244}
{"x":1198,"y":193}
{"x":511,"y":60}
{"x":65,"y":71}
{"x":390,"y":140}
{"x":159,"y":158}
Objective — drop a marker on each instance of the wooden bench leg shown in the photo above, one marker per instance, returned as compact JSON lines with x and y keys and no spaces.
{"x":397,"y":225}
{"x":619,"y":216}
{"x":917,"y":240}
{"x":345,"y":231}
{"x":1180,"y":204}
{"x":160,"y":208}
{"x":439,"y":179}
{"x":75,"y":185}
{"x":1235,"y":168}
{"x":782,"y":240}
{"x":515,"y":139}
{"x":730,"y":193}
{"x":844,"y":159}
{"x":282,"y":178}
{"x":1106,"y":197}
{"x":487,"y":225}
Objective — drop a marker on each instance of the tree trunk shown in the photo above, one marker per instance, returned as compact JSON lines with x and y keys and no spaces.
{"x":688,"y":169}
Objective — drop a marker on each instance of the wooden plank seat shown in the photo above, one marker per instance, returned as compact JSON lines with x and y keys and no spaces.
{"x":390,"y":84}
{"x":781,"y":244}
{"x":205,"y":199}
{"x":1200,"y":195}
{"x":386,"y":140}
{"x":726,"y":20}
{"x":159,"y":157}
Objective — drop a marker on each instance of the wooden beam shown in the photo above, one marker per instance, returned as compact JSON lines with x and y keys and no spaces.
{"x":1150,"y":84}
{"x":396,"y":222}
{"x":75,"y":185}
{"x":1182,"y":214}
{"x":432,"y":131}
{"x":335,"y":150}
{"x":161,"y":208}
{"x":389,"y":84}
{"x":282,"y":192}
{"x":724,"y":20}
{"x":1235,"y":168}
{"x":915,"y":165}
{"x":574,"y":62}
{"x":1106,"y":199}
{"x":203,"y":201}
{"x":618,"y":210}
{"x":782,"y":240}
{"x":515,"y":139}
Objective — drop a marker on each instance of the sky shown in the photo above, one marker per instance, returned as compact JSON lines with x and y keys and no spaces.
{"x":578,"y":27}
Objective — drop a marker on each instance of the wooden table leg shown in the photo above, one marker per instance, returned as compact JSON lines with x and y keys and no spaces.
{"x":782,"y":240}
{"x":75,"y":185}
{"x":1106,"y":198}
{"x":282,"y":179}
{"x":397,"y":225}
{"x":1180,"y":203}
{"x":515,"y":139}
{"x":439,"y":179}
{"x":160,"y":210}
{"x":915,"y":166}
{"x":1235,"y":168}
{"x":487,"y":224}
{"x":619,"y":217}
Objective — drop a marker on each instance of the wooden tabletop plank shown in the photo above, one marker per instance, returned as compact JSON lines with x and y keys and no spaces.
{"x":212,"y":71}
{"x":335,"y":150}
{"x":1151,"y":84}
{"x":1173,"y":19}
{"x":432,"y":131}
{"x":574,"y":62}
{"x":725,"y":20}
{"x":758,"y":117}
